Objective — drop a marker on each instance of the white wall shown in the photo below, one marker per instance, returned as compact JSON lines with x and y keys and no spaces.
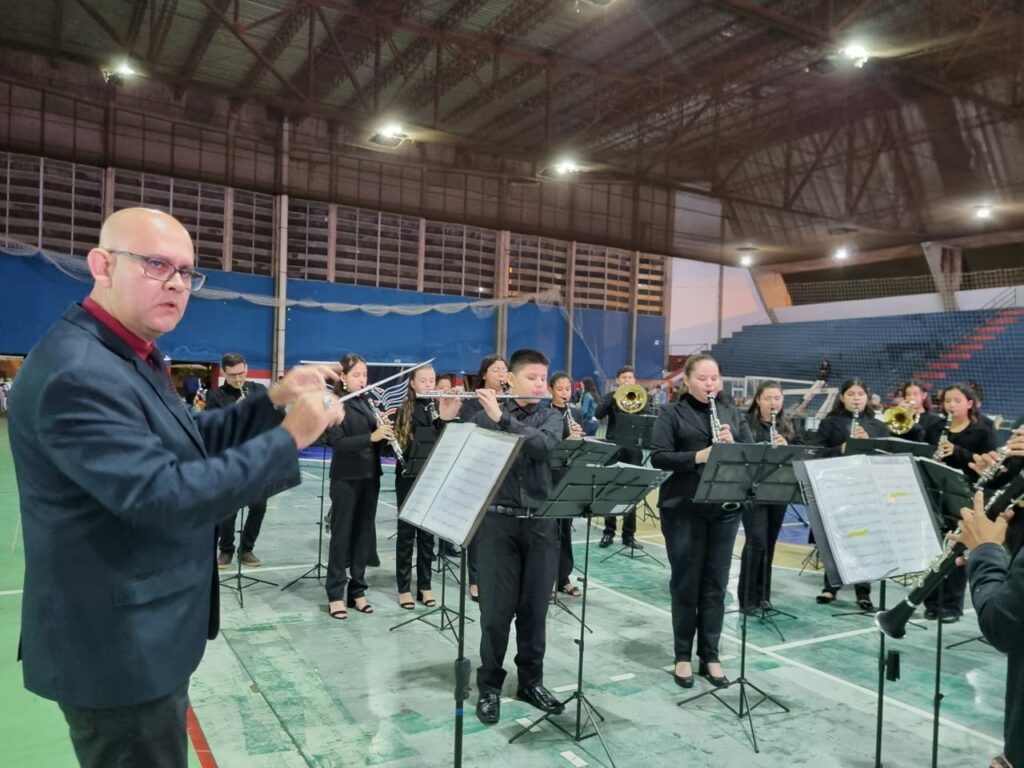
{"x":694,"y":296}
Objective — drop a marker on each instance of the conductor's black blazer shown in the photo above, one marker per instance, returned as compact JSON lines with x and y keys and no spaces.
{"x":679,"y":432}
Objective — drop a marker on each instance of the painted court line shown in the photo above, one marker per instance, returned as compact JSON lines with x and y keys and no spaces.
{"x":873,"y":694}
{"x":199,"y":743}
{"x":620,"y":678}
{"x":574,"y":759}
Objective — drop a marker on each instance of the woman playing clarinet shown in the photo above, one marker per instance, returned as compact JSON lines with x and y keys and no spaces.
{"x":699,"y":537}
{"x":762,"y":522}
{"x":561,"y":390}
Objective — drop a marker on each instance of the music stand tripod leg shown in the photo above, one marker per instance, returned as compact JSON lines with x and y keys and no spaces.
{"x":314,"y":571}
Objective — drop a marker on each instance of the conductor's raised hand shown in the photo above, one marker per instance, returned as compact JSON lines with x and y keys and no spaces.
{"x":725,"y":434}
{"x":489,"y":403}
{"x":301,"y":379}
{"x":310,"y":415}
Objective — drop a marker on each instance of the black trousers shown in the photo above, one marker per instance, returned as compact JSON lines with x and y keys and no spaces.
{"x":761,"y":526}
{"x":630,"y":456}
{"x":516,"y":568}
{"x":250,"y":531}
{"x":353,"y":535}
{"x":151,"y":734}
{"x":949,"y":598}
{"x":699,"y":539}
{"x":564,"y":552}
{"x":409,"y":535}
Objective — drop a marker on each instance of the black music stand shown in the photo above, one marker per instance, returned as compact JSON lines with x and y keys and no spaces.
{"x":235,"y":582}
{"x":587,"y":492}
{"x":423,"y":444}
{"x":754,"y":473}
{"x":891,"y":445}
{"x":314,"y":571}
{"x":581,"y":453}
{"x":737,"y":474}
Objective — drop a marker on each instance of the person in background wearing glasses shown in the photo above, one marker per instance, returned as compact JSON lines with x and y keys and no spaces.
{"x":234,"y":389}
{"x":121,"y":490}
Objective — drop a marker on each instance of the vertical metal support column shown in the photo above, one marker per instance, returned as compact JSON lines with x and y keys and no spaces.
{"x":280,"y":255}
{"x":108,"y":191}
{"x":421,"y":256}
{"x":721,"y":303}
{"x":501,"y":292}
{"x":332,"y":239}
{"x":570,"y":305}
{"x":229,"y":227}
{"x":666,"y":310}
{"x":634,"y":279}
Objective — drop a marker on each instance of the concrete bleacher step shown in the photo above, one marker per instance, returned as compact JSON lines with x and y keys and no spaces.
{"x":939,"y":365}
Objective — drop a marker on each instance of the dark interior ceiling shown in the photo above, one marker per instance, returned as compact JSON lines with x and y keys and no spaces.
{"x":747,"y":103}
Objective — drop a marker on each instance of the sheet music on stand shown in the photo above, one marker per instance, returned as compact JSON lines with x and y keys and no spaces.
{"x":461,"y":476}
{"x":872,"y":514}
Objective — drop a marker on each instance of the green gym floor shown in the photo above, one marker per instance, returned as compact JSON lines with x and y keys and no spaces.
{"x":286,"y":685}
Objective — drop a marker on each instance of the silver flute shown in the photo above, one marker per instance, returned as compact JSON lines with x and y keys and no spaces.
{"x":773,"y":428}
{"x":381,"y":421}
{"x":853,"y":422}
{"x":716,"y":424}
{"x":473,"y":396}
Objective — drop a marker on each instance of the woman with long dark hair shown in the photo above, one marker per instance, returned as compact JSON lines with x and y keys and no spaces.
{"x":588,"y":405}
{"x":851,"y":416}
{"x":355,"y":488}
{"x":762,"y":522}
{"x":413,"y":414}
{"x":699,"y":537}
{"x":968,"y":433}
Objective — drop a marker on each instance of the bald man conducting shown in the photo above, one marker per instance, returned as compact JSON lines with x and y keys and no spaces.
{"x":121,"y":490}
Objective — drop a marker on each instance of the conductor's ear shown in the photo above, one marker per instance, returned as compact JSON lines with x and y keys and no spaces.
{"x":101,"y":266}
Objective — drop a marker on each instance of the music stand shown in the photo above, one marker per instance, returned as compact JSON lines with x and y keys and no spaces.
{"x":738,"y":474}
{"x":891,"y":445}
{"x":314,"y":571}
{"x":758,"y":473}
{"x":237,"y":578}
{"x":585,"y":492}
{"x":423,"y":444}
{"x":581,"y":453}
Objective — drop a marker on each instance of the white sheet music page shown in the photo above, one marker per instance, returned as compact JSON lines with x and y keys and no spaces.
{"x":458,"y":480}
{"x":875,"y":516}
{"x":433,"y":475}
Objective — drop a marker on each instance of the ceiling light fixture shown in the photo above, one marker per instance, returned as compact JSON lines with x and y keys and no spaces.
{"x":841,"y":254}
{"x":856,"y":53}
{"x":389,"y":135}
{"x":120,"y":72}
{"x":566,"y":167}
{"x":746,"y":261}
{"x":983,"y":211}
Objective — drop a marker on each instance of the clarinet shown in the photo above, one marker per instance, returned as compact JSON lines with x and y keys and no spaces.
{"x":853,"y":422}
{"x":945,"y":436}
{"x":570,"y":422}
{"x":432,"y":411}
{"x":893,"y":622}
{"x":716,"y":425}
{"x":773,"y":429}
{"x":381,"y":421}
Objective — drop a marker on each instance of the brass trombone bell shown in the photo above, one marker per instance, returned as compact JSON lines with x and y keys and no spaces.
{"x":899,"y":419}
{"x":631,"y":398}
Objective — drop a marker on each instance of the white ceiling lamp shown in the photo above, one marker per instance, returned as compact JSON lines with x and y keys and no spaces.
{"x":857,"y":53}
{"x":841,"y":254}
{"x":983,"y":211}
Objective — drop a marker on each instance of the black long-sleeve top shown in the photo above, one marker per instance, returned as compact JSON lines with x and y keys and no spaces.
{"x":834,"y":430}
{"x":576,"y":416}
{"x":761,"y":430}
{"x":422,"y":417}
{"x":610,"y":409}
{"x":925,"y":424}
{"x":354,"y":455}
{"x":528,"y":482}
{"x":680,"y":431}
{"x":977,"y":437}
{"x":997,"y":591}
{"x":226,"y":395}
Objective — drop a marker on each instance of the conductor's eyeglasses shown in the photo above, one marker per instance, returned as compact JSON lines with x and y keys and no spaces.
{"x":163,"y":271}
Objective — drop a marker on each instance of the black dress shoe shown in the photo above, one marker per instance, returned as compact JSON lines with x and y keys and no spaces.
{"x":949,"y":617}
{"x":718,"y":682}
{"x":629,"y":541}
{"x":488,"y":708}
{"x":931,"y":615}
{"x":606,"y":540}
{"x":541,"y":698}
{"x":683,"y":681}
